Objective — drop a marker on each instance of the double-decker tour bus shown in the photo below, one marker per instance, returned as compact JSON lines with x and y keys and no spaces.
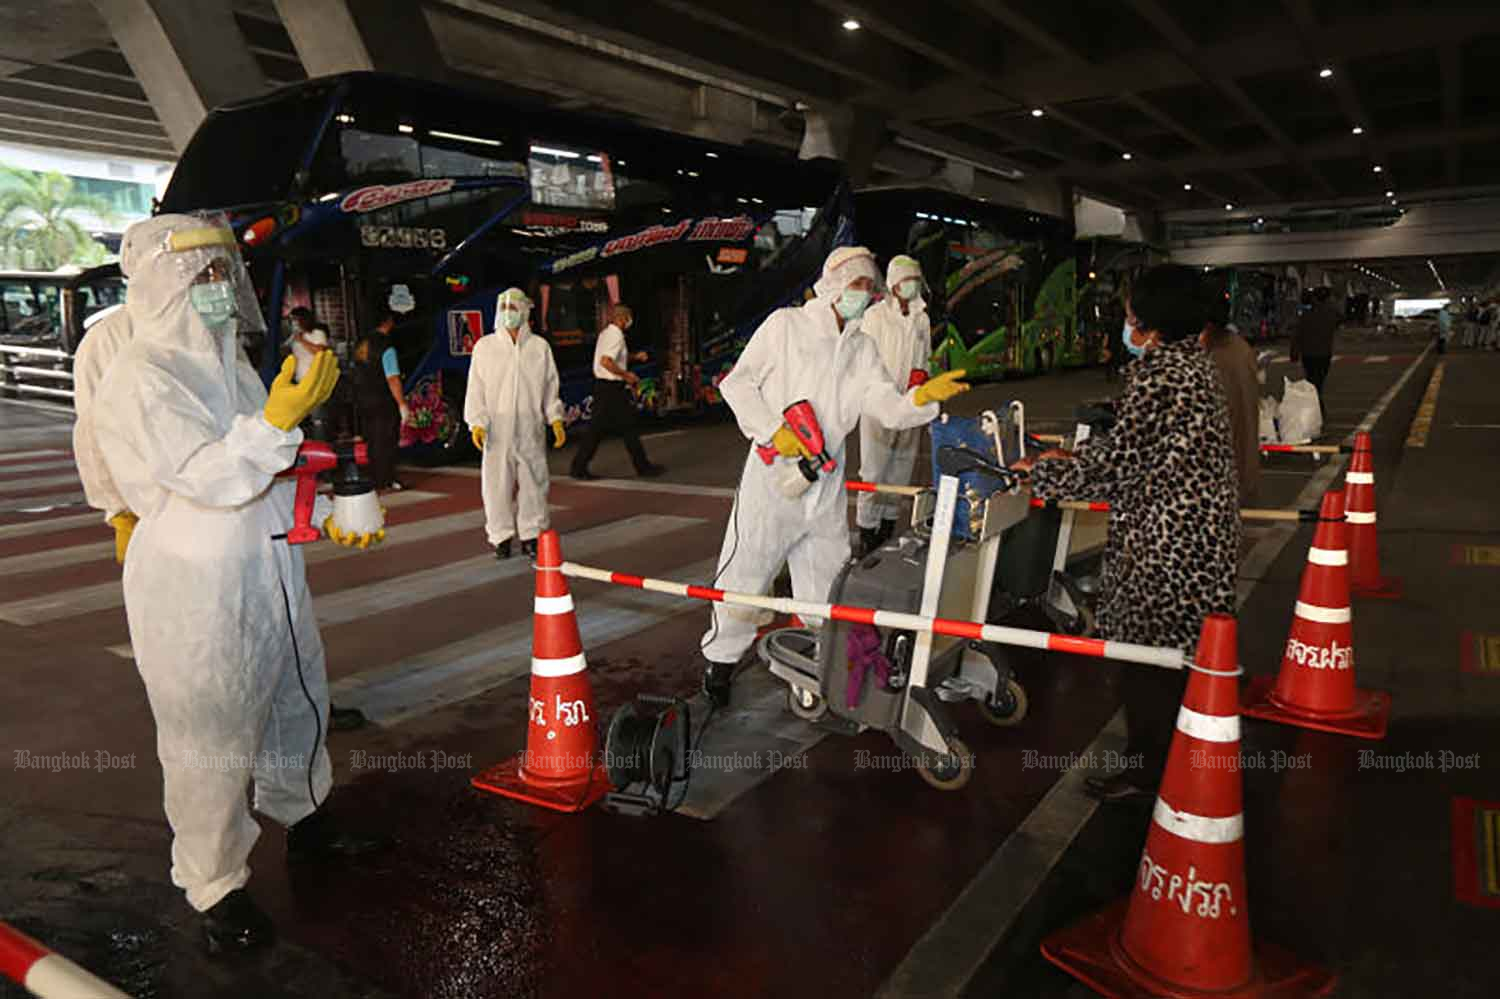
{"x":363,"y":193}
{"x":1001,"y":280}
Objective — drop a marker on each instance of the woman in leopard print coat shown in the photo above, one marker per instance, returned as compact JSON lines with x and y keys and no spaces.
{"x":1168,"y":472}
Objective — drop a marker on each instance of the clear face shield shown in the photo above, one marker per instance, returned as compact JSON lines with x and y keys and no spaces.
{"x":206,"y":264}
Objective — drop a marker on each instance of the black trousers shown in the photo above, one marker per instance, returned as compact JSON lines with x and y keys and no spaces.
{"x":1316,"y":368}
{"x":615,"y":414}
{"x":1151,"y":697}
{"x":381,"y":428}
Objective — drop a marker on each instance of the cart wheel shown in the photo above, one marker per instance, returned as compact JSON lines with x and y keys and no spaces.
{"x":948,"y":771}
{"x":1007,"y":707}
{"x":805,"y":704}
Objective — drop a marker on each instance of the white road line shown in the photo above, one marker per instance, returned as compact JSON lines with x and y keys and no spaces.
{"x":943,"y":961}
{"x":41,"y":482}
{"x":41,"y":504}
{"x":6,"y":456}
{"x":481,"y":662}
{"x":57,"y":464}
{"x":658,"y":486}
{"x":51,"y":524}
{"x":463,"y":471}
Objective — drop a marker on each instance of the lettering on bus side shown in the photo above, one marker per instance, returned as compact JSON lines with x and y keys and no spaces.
{"x":368,"y":199}
{"x":733,"y":230}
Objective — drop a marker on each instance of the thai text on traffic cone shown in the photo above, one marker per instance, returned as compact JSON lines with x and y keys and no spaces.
{"x":1315,"y":686}
{"x":560,"y":767}
{"x":1184,"y":930}
{"x":1364,"y":544}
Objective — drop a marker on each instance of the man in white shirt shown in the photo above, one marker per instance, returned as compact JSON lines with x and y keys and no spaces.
{"x":614,"y":411}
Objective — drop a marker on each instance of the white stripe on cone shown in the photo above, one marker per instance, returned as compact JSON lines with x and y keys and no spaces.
{"x":557,"y":667}
{"x":1199,"y":828}
{"x":1209,"y":728}
{"x":1355,"y":517}
{"x":1360,"y":478}
{"x":1328,"y":556}
{"x":552,"y":606}
{"x":1323,"y":615}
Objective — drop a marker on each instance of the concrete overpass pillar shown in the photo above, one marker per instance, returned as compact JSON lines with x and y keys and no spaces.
{"x":188,"y":54}
{"x":343,"y":36}
{"x":849,"y":133}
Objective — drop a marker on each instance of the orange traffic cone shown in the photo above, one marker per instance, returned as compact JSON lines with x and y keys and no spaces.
{"x":1315,"y":687}
{"x":1365,"y":579}
{"x":560,"y":767}
{"x":1184,"y":930}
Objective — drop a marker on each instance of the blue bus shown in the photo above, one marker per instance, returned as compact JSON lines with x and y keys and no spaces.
{"x":364,"y":192}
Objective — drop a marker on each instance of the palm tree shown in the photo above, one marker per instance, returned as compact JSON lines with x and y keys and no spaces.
{"x":38,"y":225}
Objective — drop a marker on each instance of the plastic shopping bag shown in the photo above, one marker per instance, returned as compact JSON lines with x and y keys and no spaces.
{"x":1268,"y":432}
{"x":1299,"y":417}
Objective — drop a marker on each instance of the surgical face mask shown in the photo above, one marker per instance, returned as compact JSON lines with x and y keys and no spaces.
{"x":852,"y":303}
{"x":510,"y":319}
{"x":1125,"y":338}
{"x":213,"y":301}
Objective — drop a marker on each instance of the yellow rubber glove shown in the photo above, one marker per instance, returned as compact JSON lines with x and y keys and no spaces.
{"x":787,"y":445}
{"x":124,"y":525}
{"x":289,"y":403}
{"x":477,"y":435}
{"x":941,"y":388}
{"x":559,"y":435}
{"x":348,"y":538}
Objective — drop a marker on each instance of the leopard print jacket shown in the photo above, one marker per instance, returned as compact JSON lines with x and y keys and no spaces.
{"x":1167,"y":469}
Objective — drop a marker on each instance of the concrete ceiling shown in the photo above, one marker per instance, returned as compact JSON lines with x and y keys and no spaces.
{"x":1216,"y":103}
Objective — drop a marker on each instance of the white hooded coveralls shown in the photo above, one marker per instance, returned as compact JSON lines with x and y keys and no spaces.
{"x":101,"y":344}
{"x":888,"y":456}
{"x":799,"y":353}
{"x":513,"y":395}
{"x":179,"y":421}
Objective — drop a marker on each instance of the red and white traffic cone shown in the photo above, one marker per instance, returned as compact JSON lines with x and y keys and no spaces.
{"x":561,"y":767}
{"x":1184,"y":930}
{"x":1365,"y":579}
{"x":1315,"y":686}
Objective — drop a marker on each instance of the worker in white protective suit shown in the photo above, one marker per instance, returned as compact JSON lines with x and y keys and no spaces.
{"x":221,"y":619}
{"x":902,"y":333}
{"x":512,"y":395}
{"x":811,"y":352}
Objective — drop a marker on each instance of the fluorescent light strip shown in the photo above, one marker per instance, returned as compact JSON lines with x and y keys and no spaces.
{"x":464,"y":138}
{"x":566,"y":154}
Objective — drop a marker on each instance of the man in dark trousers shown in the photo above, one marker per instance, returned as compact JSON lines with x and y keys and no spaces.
{"x":378,"y":403}
{"x":614,"y":412}
{"x":1313,"y":341}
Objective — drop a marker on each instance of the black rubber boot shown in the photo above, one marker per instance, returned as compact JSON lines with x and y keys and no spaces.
{"x":235,"y":924}
{"x":869,"y":540}
{"x":345,"y":719}
{"x":318,"y":837}
{"x":502,"y":550}
{"x":716,"y":680}
{"x":528,"y":548}
{"x":887,"y":530}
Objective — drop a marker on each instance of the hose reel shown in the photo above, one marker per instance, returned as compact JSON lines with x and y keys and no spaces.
{"x":646,"y":755}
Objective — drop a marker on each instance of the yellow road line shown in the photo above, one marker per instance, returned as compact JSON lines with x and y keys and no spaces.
{"x":1421,"y":424}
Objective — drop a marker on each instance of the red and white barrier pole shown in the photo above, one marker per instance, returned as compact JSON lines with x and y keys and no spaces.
{"x":1306,"y":448}
{"x":1247,"y":513}
{"x":46,"y":974}
{"x":974,"y":630}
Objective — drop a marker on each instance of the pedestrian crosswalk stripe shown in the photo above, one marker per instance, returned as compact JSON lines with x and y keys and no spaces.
{"x":49,"y":525}
{"x":56,"y":464}
{"x":11,"y":487}
{"x":40,"y":504}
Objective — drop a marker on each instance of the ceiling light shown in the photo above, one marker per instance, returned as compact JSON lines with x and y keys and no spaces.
{"x":1228,"y":207}
{"x":404,"y":129}
{"x":692,"y":173}
{"x":1092,"y":275}
{"x":1358,"y":130}
{"x":463,"y":138}
{"x":566,"y":154}
{"x":1260,"y":221}
{"x":851,"y":25}
{"x":1037,"y":112}
{"x":1124,"y":156}
{"x":1390,"y":194}
{"x":1187,"y":187}
{"x":594,"y":159}
{"x":1325,"y":72}
{"x":712,"y":156}
{"x":1377,"y":168}
{"x":344,"y":117}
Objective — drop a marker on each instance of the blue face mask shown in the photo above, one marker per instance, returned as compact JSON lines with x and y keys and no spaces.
{"x":1129,"y":344}
{"x":852,"y":303}
{"x":213,"y":301}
